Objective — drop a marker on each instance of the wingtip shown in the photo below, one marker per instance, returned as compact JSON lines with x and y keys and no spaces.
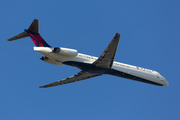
{"x":41,"y":87}
{"x":117,"y":36}
{"x":45,"y":86}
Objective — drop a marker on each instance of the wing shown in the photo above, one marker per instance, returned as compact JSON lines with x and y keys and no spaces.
{"x":77,"y":77}
{"x":107,"y":57}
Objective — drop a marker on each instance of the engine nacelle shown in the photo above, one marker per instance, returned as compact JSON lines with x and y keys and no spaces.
{"x":65,"y":51}
{"x":50,"y":61}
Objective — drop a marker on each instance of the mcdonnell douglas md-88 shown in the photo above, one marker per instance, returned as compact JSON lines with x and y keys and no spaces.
{"x":90,"y":66}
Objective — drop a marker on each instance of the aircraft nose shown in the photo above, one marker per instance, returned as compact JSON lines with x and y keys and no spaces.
{"x":166,"y":83}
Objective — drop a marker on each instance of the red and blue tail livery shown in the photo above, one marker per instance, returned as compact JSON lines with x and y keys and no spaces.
{"x":37,"y":39}
{"x":33,"y":33}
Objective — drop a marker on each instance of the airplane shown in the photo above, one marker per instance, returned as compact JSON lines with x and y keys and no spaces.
{"x":90,"y":66}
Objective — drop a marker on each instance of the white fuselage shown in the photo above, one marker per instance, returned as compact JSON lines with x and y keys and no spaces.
{"x":136,"y":72}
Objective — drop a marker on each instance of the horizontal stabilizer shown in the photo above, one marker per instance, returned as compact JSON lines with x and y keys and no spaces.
{"x":34,"y":28}
{"x":19,"y":36}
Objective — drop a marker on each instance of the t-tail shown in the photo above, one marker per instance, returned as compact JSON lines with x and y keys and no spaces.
{"x":33,"y":33}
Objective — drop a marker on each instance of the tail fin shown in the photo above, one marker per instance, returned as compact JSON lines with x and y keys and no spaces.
{"x":33,"y":33}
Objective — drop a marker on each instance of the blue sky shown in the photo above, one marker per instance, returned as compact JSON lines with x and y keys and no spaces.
{"x":149,"y":38}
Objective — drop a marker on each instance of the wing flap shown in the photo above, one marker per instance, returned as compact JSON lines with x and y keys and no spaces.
{"x":77,"y":77}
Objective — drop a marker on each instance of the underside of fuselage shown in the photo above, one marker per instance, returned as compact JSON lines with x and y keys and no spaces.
{"x":94,"y":69}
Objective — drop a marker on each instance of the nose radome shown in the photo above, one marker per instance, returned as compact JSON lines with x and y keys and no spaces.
{"x":166,"y":83}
